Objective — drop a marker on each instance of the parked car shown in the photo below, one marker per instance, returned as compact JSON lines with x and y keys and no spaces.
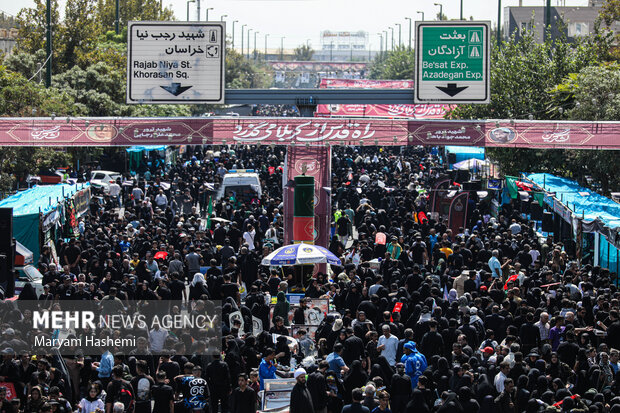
{"x":103,"y":179}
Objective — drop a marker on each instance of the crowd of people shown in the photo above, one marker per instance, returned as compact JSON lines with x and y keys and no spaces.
{"x":275,"y":110}
{"x":490,"y":318}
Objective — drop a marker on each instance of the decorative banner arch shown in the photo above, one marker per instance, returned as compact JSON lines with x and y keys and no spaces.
{"x":307,"y":132}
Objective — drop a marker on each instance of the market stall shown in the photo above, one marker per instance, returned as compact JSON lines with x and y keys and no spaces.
{"x":43,"y":214}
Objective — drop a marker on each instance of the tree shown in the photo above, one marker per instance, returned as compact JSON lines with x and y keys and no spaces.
{"x":593,"y":93}
{"x":553,"y":80}
{"x":130,"y":10}
{"x":398,"y":64}
{"x":32,"y":26}
{"x":303,"y":53}
{"x":78,"y":32}
{"x":20,"y":97}
{"x":243,"y":74}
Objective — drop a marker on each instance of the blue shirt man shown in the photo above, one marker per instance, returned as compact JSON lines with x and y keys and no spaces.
{"x":336,"y":363}
{"x":105,"y":366}
{"x":494,"y":265}
{"x":414,"y":361}
{"x":267,"y":368}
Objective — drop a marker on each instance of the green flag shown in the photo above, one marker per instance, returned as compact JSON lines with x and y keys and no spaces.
{"x":511,"y":184}
{"x":209,"y":212}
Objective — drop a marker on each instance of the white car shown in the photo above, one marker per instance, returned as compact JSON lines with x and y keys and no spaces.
{"x":29,"y":274}
{"x":103,"y":179}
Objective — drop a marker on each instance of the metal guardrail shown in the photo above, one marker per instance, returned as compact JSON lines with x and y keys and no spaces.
{"x":311,"y":97}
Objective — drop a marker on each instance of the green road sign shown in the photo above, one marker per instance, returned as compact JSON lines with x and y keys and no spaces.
{"x":452,"y":62}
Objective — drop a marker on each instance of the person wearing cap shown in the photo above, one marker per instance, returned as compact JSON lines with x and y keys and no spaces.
{"x":301,"y":399}
{"x":414,"y":361}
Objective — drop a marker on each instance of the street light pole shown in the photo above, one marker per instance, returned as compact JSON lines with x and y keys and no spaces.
{"x":266,"y":36}
{"x":331,"y":51}
{"x":499,"y":23}
{"x":399,"y":34}
{"x":207,"y":16}
{"x":48,"y":43}
{"x":118,"y":13}
{"x":385,"y":49}
{"x":380,"y":45}
{"x":198,"y":9}
{"x":188,"y":2}
{"x":249,"y":30}
{"x":233,"y":33}
{"x":222,"y":17}
{"x":548,"y":18}
{"x":440,"y":10}
{"x":409,"y":18}
{"x":255,"y":54}
{"x":422,"y":13}
{"x":282,"y":47}
{"x":461,"y":9}
{"x":242,"y":37}
{"x":392,"y":47}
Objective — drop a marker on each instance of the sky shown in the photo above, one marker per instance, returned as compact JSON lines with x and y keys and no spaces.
{"x":302,"y":20}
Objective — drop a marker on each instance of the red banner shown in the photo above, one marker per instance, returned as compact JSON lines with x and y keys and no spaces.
{"x":458,"y":212}
{"x":365,"y":84}
{"x":317,"y":164}
{"x":307,"y":132}
{"x":383,"y":111}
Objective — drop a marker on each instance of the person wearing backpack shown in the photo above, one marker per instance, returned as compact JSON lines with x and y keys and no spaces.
{"x":119,"y":390}
{"x":142,"y":384}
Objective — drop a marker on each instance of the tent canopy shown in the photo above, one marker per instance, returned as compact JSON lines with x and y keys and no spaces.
{"x":466,"y":152}
{"x":582,"y":201}
{"x":146,"y":148}
{"x":40,"y":198}
{"x":26,"y":207}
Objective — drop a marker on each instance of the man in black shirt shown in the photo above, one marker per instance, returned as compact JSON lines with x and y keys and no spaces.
{"x":243,"y":398}
{"x":317,"y":386}
{"x":177,"y":288}
{"x":163,"y":395}
{"x":353,"y":347}
{"x":143,"y":384}
{"x":299,"y":315}
{"x":219,"y":376}
{"x":230,"y":289}
{"x":118,"y":390}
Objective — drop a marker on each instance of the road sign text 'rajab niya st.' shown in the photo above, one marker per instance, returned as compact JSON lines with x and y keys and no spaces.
{"x":175,"y":62}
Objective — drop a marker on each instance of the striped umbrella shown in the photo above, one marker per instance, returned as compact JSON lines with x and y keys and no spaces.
{"x":301,"y":254}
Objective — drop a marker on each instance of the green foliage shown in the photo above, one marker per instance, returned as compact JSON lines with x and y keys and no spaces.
{"x":22,"y":98}
{"x":78,"y":33}
{"x":592,"y":94}
{"x":26,"y":64}
{"x":303,"y":53}
{"x":396,"y":65}
{"x":130,"y":10}
{"x":6,"y":21}
{"x":522,"y":73}
{"x":98,"y":89}
{"x":16,"y":163}
{"x":554,"y":80}
{"x":243,"y":74}
{"x":32,"y":26}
